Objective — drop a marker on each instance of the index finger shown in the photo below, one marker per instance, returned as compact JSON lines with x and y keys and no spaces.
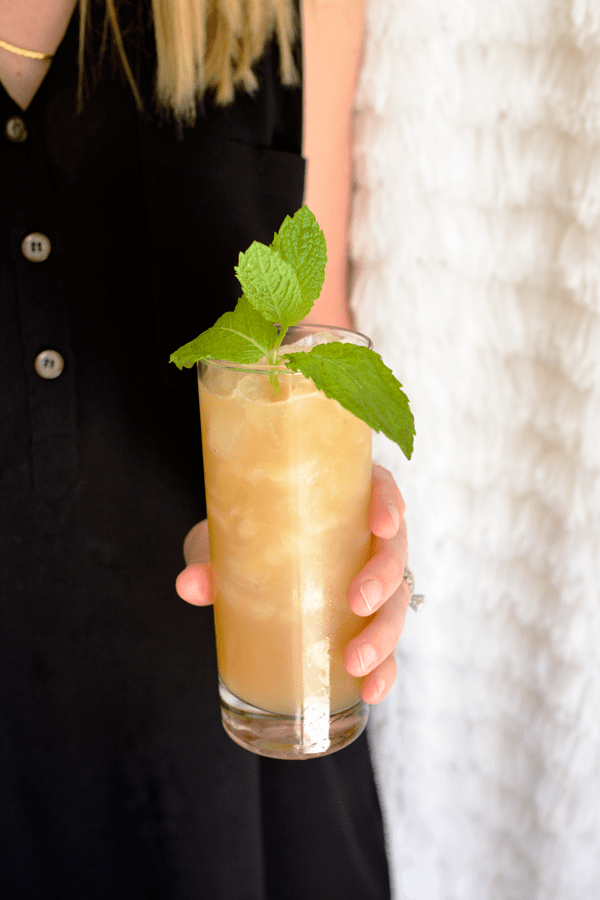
{"x":386,"y":509}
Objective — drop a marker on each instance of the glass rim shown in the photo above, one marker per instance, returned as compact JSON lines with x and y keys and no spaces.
{"x":307,"y":328}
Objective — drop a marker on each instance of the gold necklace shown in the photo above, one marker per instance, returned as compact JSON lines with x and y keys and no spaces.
{"x":30,"y":54}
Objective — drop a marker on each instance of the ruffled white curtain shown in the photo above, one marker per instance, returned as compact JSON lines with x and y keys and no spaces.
{"x":476,"y":270}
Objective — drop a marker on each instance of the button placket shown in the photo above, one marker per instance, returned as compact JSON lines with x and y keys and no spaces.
{"x":43,"y":311}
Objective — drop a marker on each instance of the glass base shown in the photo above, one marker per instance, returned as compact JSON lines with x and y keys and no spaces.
{"x":290,"y":737}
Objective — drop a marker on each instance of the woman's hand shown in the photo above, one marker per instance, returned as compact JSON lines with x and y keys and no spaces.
{"x":194,"y":583}
{"x":378,"y":588}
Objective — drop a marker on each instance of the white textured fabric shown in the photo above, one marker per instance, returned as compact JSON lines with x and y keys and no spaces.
{"x":476,"y":271}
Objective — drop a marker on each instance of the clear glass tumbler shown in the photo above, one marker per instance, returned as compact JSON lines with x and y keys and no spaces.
{"x":288,"y":481}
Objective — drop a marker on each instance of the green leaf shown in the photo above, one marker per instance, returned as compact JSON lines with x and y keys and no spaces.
{"x":271,"y":285}
{"x":302,"y":243}
{"x":241,"y":336}
{"x":360,"y":381}
{"x":280,"y":284}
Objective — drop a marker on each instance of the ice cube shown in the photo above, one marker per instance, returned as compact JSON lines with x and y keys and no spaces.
{"x":254,"y":386}
{"x":219,"y":380}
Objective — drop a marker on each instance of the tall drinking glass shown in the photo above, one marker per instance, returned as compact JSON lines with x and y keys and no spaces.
{"x":288,"y":482}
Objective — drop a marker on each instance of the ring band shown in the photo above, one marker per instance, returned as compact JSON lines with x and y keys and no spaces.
{"x":416,"y":600}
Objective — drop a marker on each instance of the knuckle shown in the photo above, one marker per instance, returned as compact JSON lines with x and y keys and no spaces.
{"x":404,"y":592}
{"x":396,"y":569}
{"x":381,"y":470}
{"x":392,"y":666}
{"x":401,"y":505}
{"x":390,"y":634}
{"x":397,"y":631}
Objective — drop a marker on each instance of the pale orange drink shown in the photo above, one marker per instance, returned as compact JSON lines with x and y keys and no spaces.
{"x":288,"y":483}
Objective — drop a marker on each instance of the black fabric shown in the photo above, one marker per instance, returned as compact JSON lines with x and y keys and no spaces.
{"x":116,"y":777}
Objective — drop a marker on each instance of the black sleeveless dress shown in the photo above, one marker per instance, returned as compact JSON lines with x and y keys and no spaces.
{"x":118,"y":236}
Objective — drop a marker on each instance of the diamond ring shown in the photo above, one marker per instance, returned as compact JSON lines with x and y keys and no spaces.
{"x":416,"y":600}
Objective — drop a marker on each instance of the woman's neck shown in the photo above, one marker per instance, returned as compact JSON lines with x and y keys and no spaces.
{"x":32,"y":25}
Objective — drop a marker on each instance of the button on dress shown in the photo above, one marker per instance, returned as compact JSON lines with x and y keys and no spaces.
{"x":119,"y":232}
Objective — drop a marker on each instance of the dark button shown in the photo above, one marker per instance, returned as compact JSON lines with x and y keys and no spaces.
{"x":36,"y":247}
{"x":16,"y":130}
{"x":49,"y":364}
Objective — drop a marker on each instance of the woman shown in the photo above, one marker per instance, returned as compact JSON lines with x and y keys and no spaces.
{"x":121,"y":225}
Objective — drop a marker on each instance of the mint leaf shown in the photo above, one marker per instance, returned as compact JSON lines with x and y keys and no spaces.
{"x":241,"y":336}
{"x":271,"y":285}
{"x":302,"y":243}
{"x":280,"y":285}
{"x":360,"y":381}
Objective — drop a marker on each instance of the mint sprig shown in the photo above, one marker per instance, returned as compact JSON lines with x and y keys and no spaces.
{"x":283,"y":281}
{"x":302,"y":243}
{"x":360,"y":381}
{"x":241,"y":336}
{"x":271,"y":285}
{"x":280,"y":285}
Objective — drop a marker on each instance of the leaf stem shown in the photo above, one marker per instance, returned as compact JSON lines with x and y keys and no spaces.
{"x":274,"y":379}
{"x":277,"y":344}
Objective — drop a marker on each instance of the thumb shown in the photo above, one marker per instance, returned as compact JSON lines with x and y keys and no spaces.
{"x":194,"y":585}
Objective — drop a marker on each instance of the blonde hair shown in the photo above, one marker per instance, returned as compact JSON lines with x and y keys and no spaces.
{"x":203,"y":45}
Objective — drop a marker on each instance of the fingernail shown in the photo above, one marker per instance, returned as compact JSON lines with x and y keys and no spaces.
{"x":371,"y":593}
{"x":395,"y":514}
{"x":366,"y":656}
